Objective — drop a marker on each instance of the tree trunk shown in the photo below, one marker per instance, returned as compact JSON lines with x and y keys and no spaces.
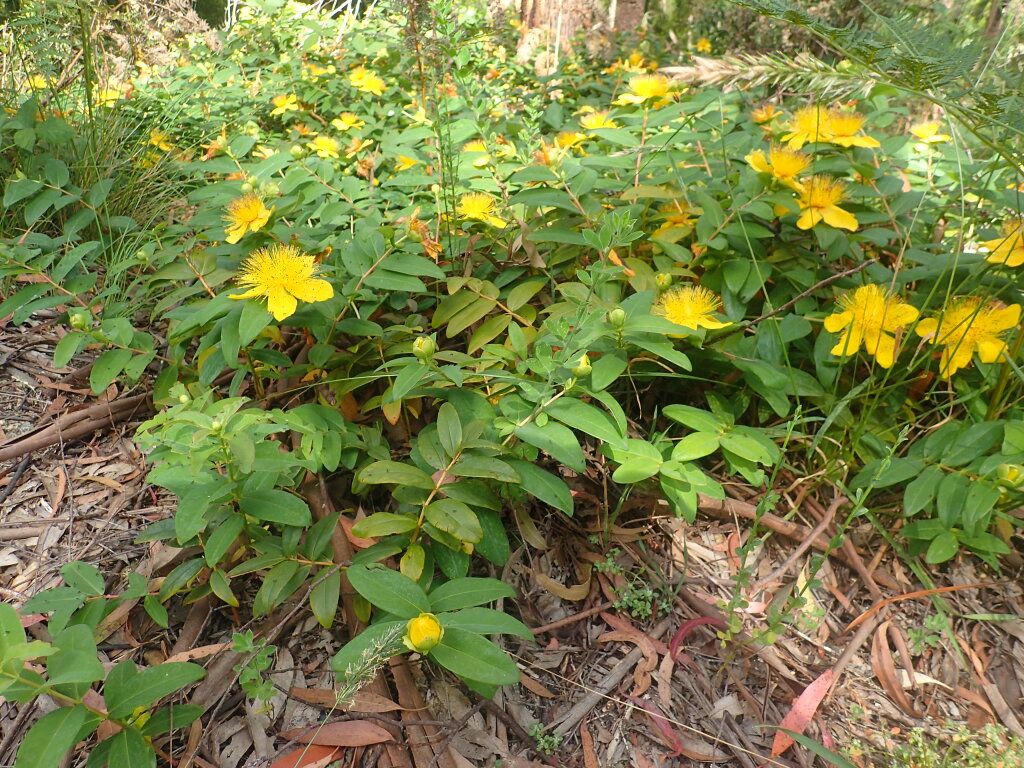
{"x":548,"y":28}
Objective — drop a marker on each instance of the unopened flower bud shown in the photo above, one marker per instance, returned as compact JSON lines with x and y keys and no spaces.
{"x":270,"y":189}
{"x":423,"y":633}
{"x":79,"y":320}
{"x":663,"y":279}
{"x":424,"y":347}
{"x":1010,"y":475}
{"x":246,"y":188}
{"x":215,"y":426}
{"x":582,"y":366}
{"x":297,"y":152}
{"x":570,"y":383}
{"x":617,"y":317}
{"x":182,"y":399}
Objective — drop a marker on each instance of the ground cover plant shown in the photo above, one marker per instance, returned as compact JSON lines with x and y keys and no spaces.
{"x":380,"y":260}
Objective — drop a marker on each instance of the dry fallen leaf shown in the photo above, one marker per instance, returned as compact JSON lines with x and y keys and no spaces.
{"x":574,"y":593}
{"x":309,"y":756}
{"x":364,"y":701}
{"x":799,"y":717}
{"x":348,"y":733}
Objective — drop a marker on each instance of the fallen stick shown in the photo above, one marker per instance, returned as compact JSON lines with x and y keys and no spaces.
{"x":73,"y":425}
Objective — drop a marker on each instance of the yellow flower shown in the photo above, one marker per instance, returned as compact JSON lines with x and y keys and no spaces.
{"x":325,"y":147}
{"x":819,"y":199}
{"x":809,"y":125}
{"x":599,"y":119}
{"x":246,"y":214}
{"x":479,"y":206}
{"x":677,"y":221}
{"x":367,"y":81}
{"x":703,"y":45}
{"x":423,"y":633}
{"x":644,"y":88}
{"x":569,"y":139}
{"x":316,"y":70}
{"x":285,"y":275}
{"x":36,"y":82}
{"x":870,"y":317}
{"x":1008,"y":249}
{"x":284,"y":103}
{"x":404,"y":163}
{"x":928,"y":132}
{"x":160,"y":140}
{"x":690,"y":306}
{"x":356,"y":146}
{"x":784,"y":164}
{"x":966,"y":327}
{"x":111,"y":93}
{"x":765,"y":113}
{"x":635,"y":62}
{"x":845,"y":130}
{"x":480,"y":148}
{"x":347,"y":120}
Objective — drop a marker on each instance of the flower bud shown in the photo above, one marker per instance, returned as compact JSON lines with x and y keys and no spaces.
{"x":423,"y":633}
{"x":569,"y":383}
{"x":617,"y":317}
{"x":582,"y":366}
{"x":1010,"y":475}
{"x":246,"y":188}
{"x":182,"y":399}
{"x":297,"y":152}
{"x":79,"y":320}
{"x":424,"y":347}
{"x":664,"y":280}
{"x":270,"y":189}
{"x":215,"y":426}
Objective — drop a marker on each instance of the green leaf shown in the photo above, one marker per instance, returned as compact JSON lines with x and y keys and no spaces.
{"x":167,"y":719}
{"x":20,"y":189}
{"x":383,"y":524}
{"x":694,"y":418}
{"x":473,"y":657}
{"x":129,"y":749}
{"x":74,"y":663}
{"x":69,"y":346}
{"x":586,"y":418}
{"x":695,"y":445}
{"x":540,"y":483}
{"x":323,"y":600}
{"x":395,"y":473}
{"x":51,"y":737}
{"x":943,"y":547}
{"x":156,"y":610}
{"x":276,"y":506}
{"x":466,"y":593}
{"x":484,"y":466}
{"x":84,"y":577}
{"x":486,"y":621}
{"x":454,"y":517}
{"x":222,"y":537}
{"x":556,"y":440}
{"x":280,"y":581}
{"x":494,"y":544}
{"x":127,"y":689}
{"x":920,"y":492}
{"x":108,"y":367}
{"x":389,"y":590}
{"x":449,"y":429}
{"x":407,"y":380}
{"x":636,"y":469}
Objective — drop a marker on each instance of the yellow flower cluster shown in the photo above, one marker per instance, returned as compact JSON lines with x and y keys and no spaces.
{"x":871,"y":318}
{"x":841,"y":127}
{"x":367,"y":81}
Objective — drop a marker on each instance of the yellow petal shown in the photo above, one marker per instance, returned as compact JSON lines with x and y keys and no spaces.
{"x":837,"y":217}
{"x":991,"y":350}
{"x":927,"y":327}
{"x":883,"y":347}
{"x":835,"y":323}
{"x":900,"y":315}
{"x":758,"y":162}
{"x":312,"y":290}
{"x":280,"y":303}
{"x":960,"y":358}
{"x":252,"y":293}
{"x":809,"y":218}
{"x":234,"y":233}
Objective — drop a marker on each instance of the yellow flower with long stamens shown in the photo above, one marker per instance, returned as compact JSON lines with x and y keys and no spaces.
{"x":423,"y":633}
{"x":285,"y":276}
{"x":765,"y":113}
{"x":284,"y":103}
{"x":967,"y":326}
{"x":597,"y":119}
{"x":845,"y":128}
{"x":703,"y":45}
{"x":782,"y":163}
{"x":928,"y":132}
{"x":347,"y":120}
{"x":809,"y":125}
{"x":570,"y":139}
{"x":160,"y":140}
{"x":870,"y":317}
{"x":325,"y":147}
{"x":819,"y":198}
{"x":1007,"y":250}
{"x":246,"y":214}
{"x":479,"y":207}
{"x":690,"y":306}
{"x":645,"y":88}
{"x":367,"y":81}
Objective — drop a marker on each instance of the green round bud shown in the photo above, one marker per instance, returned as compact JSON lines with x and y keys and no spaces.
{"x":664,"y":280}
{"x":246,"y":188}
{"x":271,"y":189}
{"x":617,"y":317}
{"x":182,"y":399}
{"x":1010,"y":475}
{"x":297,"y":152}
{"x":215,"y":426}
{"x":424,"y":347}
{"x":79,"y":320}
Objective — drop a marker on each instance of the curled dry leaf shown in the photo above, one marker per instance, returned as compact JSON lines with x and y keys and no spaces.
{"x":574,"y":593}
{"x":643,"y":669}
{"x":885,"y":670}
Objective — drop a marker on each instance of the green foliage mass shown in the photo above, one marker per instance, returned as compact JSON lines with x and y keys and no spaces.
{"x":380,"y":252}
